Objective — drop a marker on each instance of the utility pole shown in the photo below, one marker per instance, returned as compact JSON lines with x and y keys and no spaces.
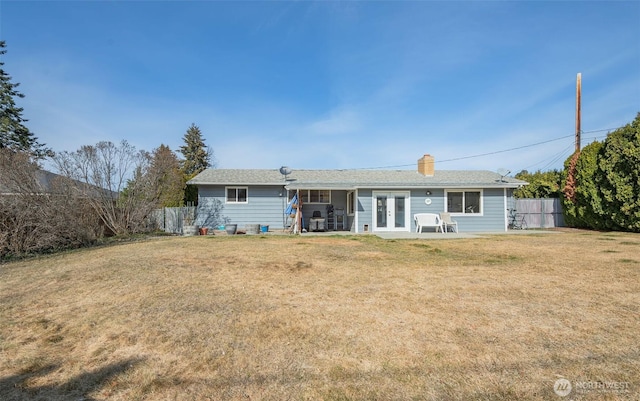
{"x":578,"y":100}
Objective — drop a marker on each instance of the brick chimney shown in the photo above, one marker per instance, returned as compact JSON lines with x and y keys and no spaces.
{"x":426,"y":165}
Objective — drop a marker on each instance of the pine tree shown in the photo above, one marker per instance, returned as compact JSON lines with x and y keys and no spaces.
{"x":197,"y":156}
{"x":14,"y":134}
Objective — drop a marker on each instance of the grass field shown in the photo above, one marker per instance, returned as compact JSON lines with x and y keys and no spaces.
{"x":326,"y":318}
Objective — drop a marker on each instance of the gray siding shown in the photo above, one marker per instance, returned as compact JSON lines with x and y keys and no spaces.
{"x":418,"y":196}
{"x":491,"y":219}
{"x":364,"y":209}
{"x":264,"y":205}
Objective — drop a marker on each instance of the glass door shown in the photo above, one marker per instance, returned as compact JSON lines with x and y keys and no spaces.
{"x":391,"y":211}
{"x":398,"y":211}
{"x":381,"y":212}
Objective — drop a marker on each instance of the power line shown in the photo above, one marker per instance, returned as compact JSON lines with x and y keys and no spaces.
{"x":495,"y":152}
{"x":564,"y":153}
{"x":554,"y":158}
{"x":592,"y":138}
{"x":549,"y":160}
{"x":601,"y":130}
{"x":469,"y":157}
{"x":506,"y":150}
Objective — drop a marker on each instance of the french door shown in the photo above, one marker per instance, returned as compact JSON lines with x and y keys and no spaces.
{"x":391,"y":211}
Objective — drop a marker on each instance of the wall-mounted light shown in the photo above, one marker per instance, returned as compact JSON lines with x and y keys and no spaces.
{"x":428,"y":193}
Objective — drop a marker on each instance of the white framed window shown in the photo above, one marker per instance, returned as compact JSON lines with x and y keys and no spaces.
{"x":465,"y":202}
{"x":315,"y":196}
{"x":237,"y":194}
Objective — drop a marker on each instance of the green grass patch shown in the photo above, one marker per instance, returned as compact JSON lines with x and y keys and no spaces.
{"x":501,"y":259}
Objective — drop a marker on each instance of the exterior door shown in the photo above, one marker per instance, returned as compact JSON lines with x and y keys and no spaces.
{"x":391,"y":211}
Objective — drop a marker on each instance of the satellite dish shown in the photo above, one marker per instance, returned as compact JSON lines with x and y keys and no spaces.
{"x":503,"y":173}
{"x":285,"y":171}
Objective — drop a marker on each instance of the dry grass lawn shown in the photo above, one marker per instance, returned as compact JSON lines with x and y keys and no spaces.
{"x":325,"y":318}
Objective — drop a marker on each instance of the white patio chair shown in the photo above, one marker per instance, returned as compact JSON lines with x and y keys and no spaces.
{"x":423,"y":220}
{"x":447,"y":222}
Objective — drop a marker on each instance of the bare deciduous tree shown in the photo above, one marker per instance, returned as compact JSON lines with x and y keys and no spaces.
{"x":38,"y":211}
{"x":114,"y":180}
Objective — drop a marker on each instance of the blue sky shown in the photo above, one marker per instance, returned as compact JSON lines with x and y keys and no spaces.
{"x":328,"y":84}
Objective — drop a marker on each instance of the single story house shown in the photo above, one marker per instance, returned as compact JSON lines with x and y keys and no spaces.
{"x":369,"y":200}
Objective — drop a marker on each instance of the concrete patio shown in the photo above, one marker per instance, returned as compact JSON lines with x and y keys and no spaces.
{"x":433,"y":235}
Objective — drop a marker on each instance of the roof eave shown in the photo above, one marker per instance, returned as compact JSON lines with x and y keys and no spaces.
{"x":243,"y":184}
{"x":303,"y":185}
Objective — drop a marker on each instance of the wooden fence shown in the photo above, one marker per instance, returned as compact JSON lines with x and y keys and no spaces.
{"x":540,"y":213}
{"x":171,"y":219}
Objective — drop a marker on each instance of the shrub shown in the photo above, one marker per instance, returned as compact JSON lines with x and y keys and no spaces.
{"x":618,"y":177}
{"x":602,"y":184}
{"x":583,"y":206}
{"x":38,"y":211}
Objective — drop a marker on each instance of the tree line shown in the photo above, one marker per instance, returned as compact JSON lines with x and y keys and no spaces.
{"x":99,"y":190}
{"x":600,"y":184}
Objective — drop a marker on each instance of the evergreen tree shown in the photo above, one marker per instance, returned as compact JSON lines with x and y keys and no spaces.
{"x":197,"y":156}
{"x":167,"y":177}
{"x":618,"y":177}
{"x":14,"y":135}
{"x":602,"y":188}
{"x":583,"y":206}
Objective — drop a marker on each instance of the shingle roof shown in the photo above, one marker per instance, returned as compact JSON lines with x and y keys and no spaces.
{"x":43,"y":181}
{"x":351,"y":179}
